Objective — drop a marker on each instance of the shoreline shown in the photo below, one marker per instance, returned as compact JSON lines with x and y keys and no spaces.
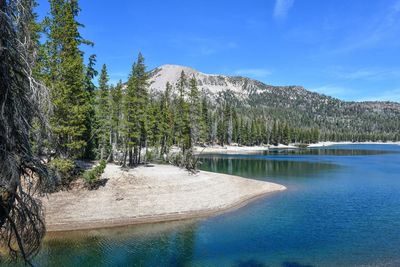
{"x":229,"y":149}
{"x":234,"y":149}
{"x":329,"y":143}
{"x":151,"y":194}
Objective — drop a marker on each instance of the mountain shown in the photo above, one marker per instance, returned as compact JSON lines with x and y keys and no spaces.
{"x":292,"y":104}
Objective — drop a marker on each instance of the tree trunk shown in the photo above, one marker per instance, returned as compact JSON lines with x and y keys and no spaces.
{"x":130,"y":156}
{"x":140,"y":153}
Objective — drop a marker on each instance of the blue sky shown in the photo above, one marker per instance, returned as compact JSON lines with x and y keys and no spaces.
{"x":346,"y":49}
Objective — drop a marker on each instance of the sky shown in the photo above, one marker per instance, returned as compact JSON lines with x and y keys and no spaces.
{"x":345,"y":49}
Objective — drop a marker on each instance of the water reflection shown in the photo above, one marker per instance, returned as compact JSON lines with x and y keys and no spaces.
{"x":264,"y":168}
{"x":331,"y":151}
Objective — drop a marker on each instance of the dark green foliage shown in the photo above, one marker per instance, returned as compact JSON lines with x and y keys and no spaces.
{"x":66,"y":77}
{"x":166,"y":120}
{"x":90,"y":121}
{"x":65,"y":170}
{"x":116,"y":118}
{"x":64,"y":166}
{"x":136,"y":111}
{"x":91,"y":177}
{"x":197,"y":123}
{"x":103,"y":114}
{"x":182,"y":120}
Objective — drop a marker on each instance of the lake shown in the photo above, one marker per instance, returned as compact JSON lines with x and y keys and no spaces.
{"x":342,"y":208}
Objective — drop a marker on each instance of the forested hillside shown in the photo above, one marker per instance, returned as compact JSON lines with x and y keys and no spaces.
{"x":336,"y":120}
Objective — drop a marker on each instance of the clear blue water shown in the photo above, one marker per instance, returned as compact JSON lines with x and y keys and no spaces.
{"x":342,"y":208}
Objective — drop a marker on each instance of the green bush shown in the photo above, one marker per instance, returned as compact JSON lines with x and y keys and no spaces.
{"x":151,"y":155}
{"x":64,"y":166}
{"x":92,"y":176}
{"x":89,"y":176}
{"x":65,"y":170}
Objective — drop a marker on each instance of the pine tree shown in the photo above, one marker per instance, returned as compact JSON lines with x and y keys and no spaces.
{"x":116,"y":117}
{"x":197,"y":124}
{"x":182,"y":122}
{"x":214,"y":128}
{"x":90,"y":121}
{"x":131,"y":128}
{"x":154,"y":125}
{"x":206,"y":118}
{"x":229,"y":124}
{"x":66,"y":79}
{"x":166,"y":120}
{"x":275,"y":134}
{"x":253,"y":133}
{"x":136,"y":111}
{"x":285,"y":135}
{"x":104,"y":114}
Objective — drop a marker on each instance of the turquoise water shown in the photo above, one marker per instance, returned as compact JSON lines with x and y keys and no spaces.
{"x":342,"y":208}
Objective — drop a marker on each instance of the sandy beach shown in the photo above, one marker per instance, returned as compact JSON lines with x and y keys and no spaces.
{"x":234,"y":149}
{"x":229,"y":149}
{"x":329,"y":143}
{"x":150,"y":194}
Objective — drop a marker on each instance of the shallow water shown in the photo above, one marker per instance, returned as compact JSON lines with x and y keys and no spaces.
{"x":342,"y":208}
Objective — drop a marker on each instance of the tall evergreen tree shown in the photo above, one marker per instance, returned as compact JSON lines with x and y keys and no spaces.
{"x":229,"y":123}
{"x":206,"y":118}
{"x":116,"y":117}
{"x":66,"y":70}
{"x":285,"y":135}
{"x":90,"y":121}
{"x":275,"y":133}
{"x":166,"y":120}
{"x":136,"y":110}
{"x":104,"y":113}
{"x":196,"y":120}
{"x":182,"y":122}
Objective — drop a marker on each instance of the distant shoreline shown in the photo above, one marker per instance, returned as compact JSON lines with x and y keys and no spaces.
{"x":234,"y":149}
{"x":150,"y":194}
{"x":328,"y":143}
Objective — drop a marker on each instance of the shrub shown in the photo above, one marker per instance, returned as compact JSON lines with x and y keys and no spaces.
{"x":91,"y":177}
{"x":65,"y":170}
{"x":151,"y":155}
{"x":64,"y":166}
{"x":185,"y":160}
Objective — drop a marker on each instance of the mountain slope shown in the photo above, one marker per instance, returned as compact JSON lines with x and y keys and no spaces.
{"x":293,"y":104}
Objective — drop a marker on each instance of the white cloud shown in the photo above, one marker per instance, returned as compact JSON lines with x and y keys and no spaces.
{"x":282,"y":8}
{"x":255,"y":73}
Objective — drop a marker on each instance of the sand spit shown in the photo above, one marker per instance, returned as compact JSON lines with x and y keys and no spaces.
{"x":150,"y":194}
